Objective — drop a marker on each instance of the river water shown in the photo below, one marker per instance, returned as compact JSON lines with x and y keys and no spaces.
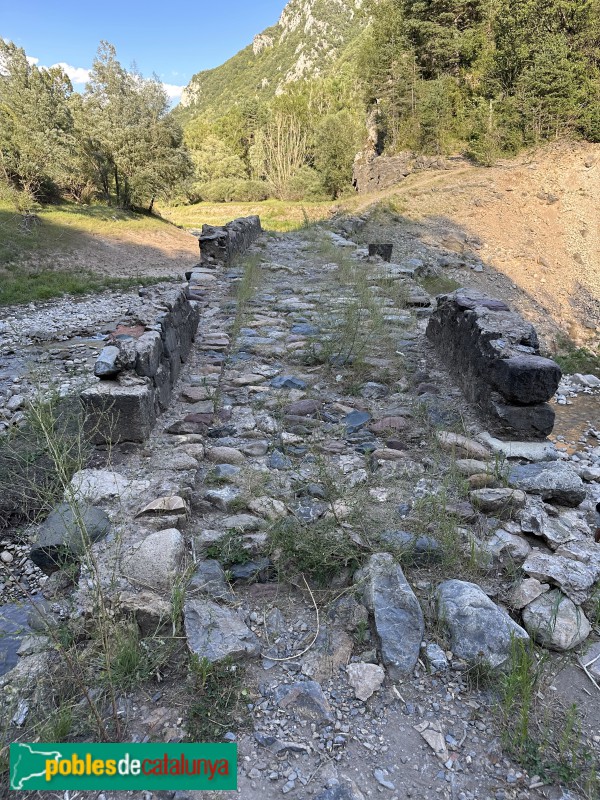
{"x":573,"y":422}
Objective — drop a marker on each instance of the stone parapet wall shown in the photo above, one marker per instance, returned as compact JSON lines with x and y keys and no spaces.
{"x":219,"y":245}
{"x":494,"y":354}
{"x":139,"y":367}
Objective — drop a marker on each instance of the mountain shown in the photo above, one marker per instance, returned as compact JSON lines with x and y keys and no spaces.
{"x":306,"y":42}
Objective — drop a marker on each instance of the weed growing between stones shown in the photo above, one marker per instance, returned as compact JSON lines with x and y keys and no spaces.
{"x":37,"y":458}
{"x":546,"y":740}
{"x":229,"y":550}
{"x":220,"y":699}
{"x":100,"y":641}
{"x":244,"y":290}
{"x":321,"y":550}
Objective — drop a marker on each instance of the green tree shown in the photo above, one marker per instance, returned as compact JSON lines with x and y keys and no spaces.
{"x":336,"y":140}
{"x":129,"y":127}
{"x":37,"y":144}
{"x":281,"y":144}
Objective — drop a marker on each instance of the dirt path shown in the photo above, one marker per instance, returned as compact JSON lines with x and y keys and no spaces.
{"x":532,"y":221}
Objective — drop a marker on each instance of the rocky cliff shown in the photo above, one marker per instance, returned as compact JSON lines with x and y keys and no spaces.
{"x":308,"y":39}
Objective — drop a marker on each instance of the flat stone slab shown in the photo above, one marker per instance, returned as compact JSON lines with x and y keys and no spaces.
{"x":527,"y":451}
{"x":572,"y":577}
{"x":396,"y":611}
{"x":552,"y":481}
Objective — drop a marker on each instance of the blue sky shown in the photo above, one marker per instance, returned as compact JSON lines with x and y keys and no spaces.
{"x":174,"y":40}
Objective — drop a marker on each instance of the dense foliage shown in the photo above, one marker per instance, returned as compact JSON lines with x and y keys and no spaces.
{"x":483,"y":76}
{"x":117,"y":140}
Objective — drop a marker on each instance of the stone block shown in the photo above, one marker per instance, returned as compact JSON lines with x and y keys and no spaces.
{"x":148,"y":352}
{"x":119,"y":413}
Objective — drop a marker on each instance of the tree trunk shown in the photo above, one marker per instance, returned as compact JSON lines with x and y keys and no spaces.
{"x":151,"y":206}
{"x":117,"y":187}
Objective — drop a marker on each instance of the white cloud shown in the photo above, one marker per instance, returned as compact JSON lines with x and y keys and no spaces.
{"x":32,"y":61}
{"x":174,"y":92}
{"x":76,"y":74}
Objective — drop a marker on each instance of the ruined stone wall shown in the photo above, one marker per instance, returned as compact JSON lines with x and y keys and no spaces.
{"x":494,"y":354}
{"x":139,"y":367}
{"x":372,"y":172}
{"x":219,"y":245}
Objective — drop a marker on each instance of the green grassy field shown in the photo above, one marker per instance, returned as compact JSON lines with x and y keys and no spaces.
{"x":27,"y":248}
{"x":275,"y":215}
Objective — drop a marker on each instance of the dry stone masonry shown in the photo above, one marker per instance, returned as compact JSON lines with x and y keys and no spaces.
{"x":495,"y":355}
{"x":219,"y":245}
{"x":138,"y":370}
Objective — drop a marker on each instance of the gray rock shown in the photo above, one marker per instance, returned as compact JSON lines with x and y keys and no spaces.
{"x":308,"y":510}
{"x":535,"y":520}
{"x":156,"y":561}
{"x":148,"y":352}
{"x":306,"y":698}
{"x":226,"y":472}
{"x":436,"y":658}
{"x":503,"y":543}
{"x":479,"y":630}
{"x":365,"y":679}
{"x":287,"y":382}
{"x":341,"y":792}
{"x":413,"y":549}
{"x":356,"y":420}
{"x":66,"y":534}
{"x":225,"y":499}
{"x":502,"y":503}
{"x":152,"y":612}
{"x":396,"y":612}
{"x":574,"y":578}
{"x":106,"y":366}
{"x":555,"y":622}
{"x":277,"y":460}
{"x":209,"y":579}
{"x":586,"y":551}
{"x":243,"y":523}
{"x":528,"y":451}
{"x":256,"y":570}
{"x":217,"y":633}
{"x":551,"y":481}
{"x":526,"y":592}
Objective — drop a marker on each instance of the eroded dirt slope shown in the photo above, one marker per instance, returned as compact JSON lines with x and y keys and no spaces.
{"x":532,"y":222}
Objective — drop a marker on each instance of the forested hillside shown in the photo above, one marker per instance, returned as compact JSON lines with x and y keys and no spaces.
{"x":286,"y":116}
{"x":481,"y":77}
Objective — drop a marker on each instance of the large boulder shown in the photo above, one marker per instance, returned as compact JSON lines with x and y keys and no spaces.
{"x":551,"y":481}
{"x":556,"y":622}
{"x":156,"y":561}
{"x":396,"y":612}
{"x":66,"y":534}
{"x":480,"y":631}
